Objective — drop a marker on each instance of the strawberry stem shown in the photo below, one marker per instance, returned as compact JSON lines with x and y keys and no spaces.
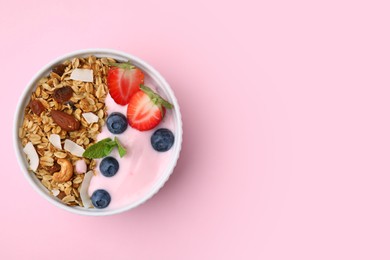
{"x":123,"y":65}
{"x":156,"y":98}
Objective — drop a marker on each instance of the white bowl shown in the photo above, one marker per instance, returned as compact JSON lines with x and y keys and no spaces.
{"x":121,"y":56}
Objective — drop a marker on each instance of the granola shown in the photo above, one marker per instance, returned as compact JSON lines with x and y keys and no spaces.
{"x":58,"y":92}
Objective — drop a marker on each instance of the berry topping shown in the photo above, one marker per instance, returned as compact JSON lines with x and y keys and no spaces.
{"x":59,"y":69}
{"x":109,"y":166}
{"x":100,"y":199}
{"x":162,"y":140}
{"x":116,"y":123}
{"x":124,"y":81}
{"x":146,"y":109}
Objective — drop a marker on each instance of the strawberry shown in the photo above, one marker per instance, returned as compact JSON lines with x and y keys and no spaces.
{"x":146,"y":109}
{"x":123,"y":81}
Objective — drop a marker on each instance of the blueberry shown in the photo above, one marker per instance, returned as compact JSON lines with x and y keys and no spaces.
{"x":162,"y":140}
{"x":109,"y":166}
{"x":116,"y":123}
{"x":100,"y":199}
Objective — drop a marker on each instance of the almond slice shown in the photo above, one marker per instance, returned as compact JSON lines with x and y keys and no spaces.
{"x":84,"y":190}
{"x":32,"y":156}
{"x":73,"y":148}
{"x":85,"y":75}
{"x":55,"y":140}
{"x":90,"y":117}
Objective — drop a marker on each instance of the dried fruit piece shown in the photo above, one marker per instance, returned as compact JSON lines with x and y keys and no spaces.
{"x":55,"y":168}
{"x":63,"y":94}
{"x":65,"y":121}
{"x":37,"y":107}
{"x":61,"y":195}
{"x":59,"y":69}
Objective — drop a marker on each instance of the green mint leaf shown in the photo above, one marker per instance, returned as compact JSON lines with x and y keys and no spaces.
{"x":107,"y":150}
{"x":121,"y":149}
{"x":100,"y":149}
{"x":111,"y":143}
{"x":103,"y":148}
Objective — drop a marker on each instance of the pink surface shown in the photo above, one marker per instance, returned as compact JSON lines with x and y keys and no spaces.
{"x":286,"y":129}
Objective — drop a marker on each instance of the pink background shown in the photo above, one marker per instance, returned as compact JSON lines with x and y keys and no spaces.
{"x":286,"y":129}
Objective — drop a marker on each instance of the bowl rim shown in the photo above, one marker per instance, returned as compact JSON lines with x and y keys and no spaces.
{"x":99,"y":52}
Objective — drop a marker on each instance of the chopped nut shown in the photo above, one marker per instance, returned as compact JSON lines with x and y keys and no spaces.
{"x":66,"y":171}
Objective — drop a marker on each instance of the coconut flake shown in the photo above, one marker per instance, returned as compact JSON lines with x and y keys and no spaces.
{"x":73,"y":148}
{"x":85,"y":75}
{"x":90,"y":117}
{"x":55,"y":140}
{"x":84,"y":190}
{"x":55,"y":192}
{"x":32,"y":156}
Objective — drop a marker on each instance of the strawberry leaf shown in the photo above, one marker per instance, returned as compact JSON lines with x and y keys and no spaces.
{"x":165,"y":103}
{"x":148,"y":91}
{"x":123,"y":65}
{"x":156,"y":98}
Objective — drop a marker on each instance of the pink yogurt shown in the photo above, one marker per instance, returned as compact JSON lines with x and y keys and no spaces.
{"x":140,"y":168}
